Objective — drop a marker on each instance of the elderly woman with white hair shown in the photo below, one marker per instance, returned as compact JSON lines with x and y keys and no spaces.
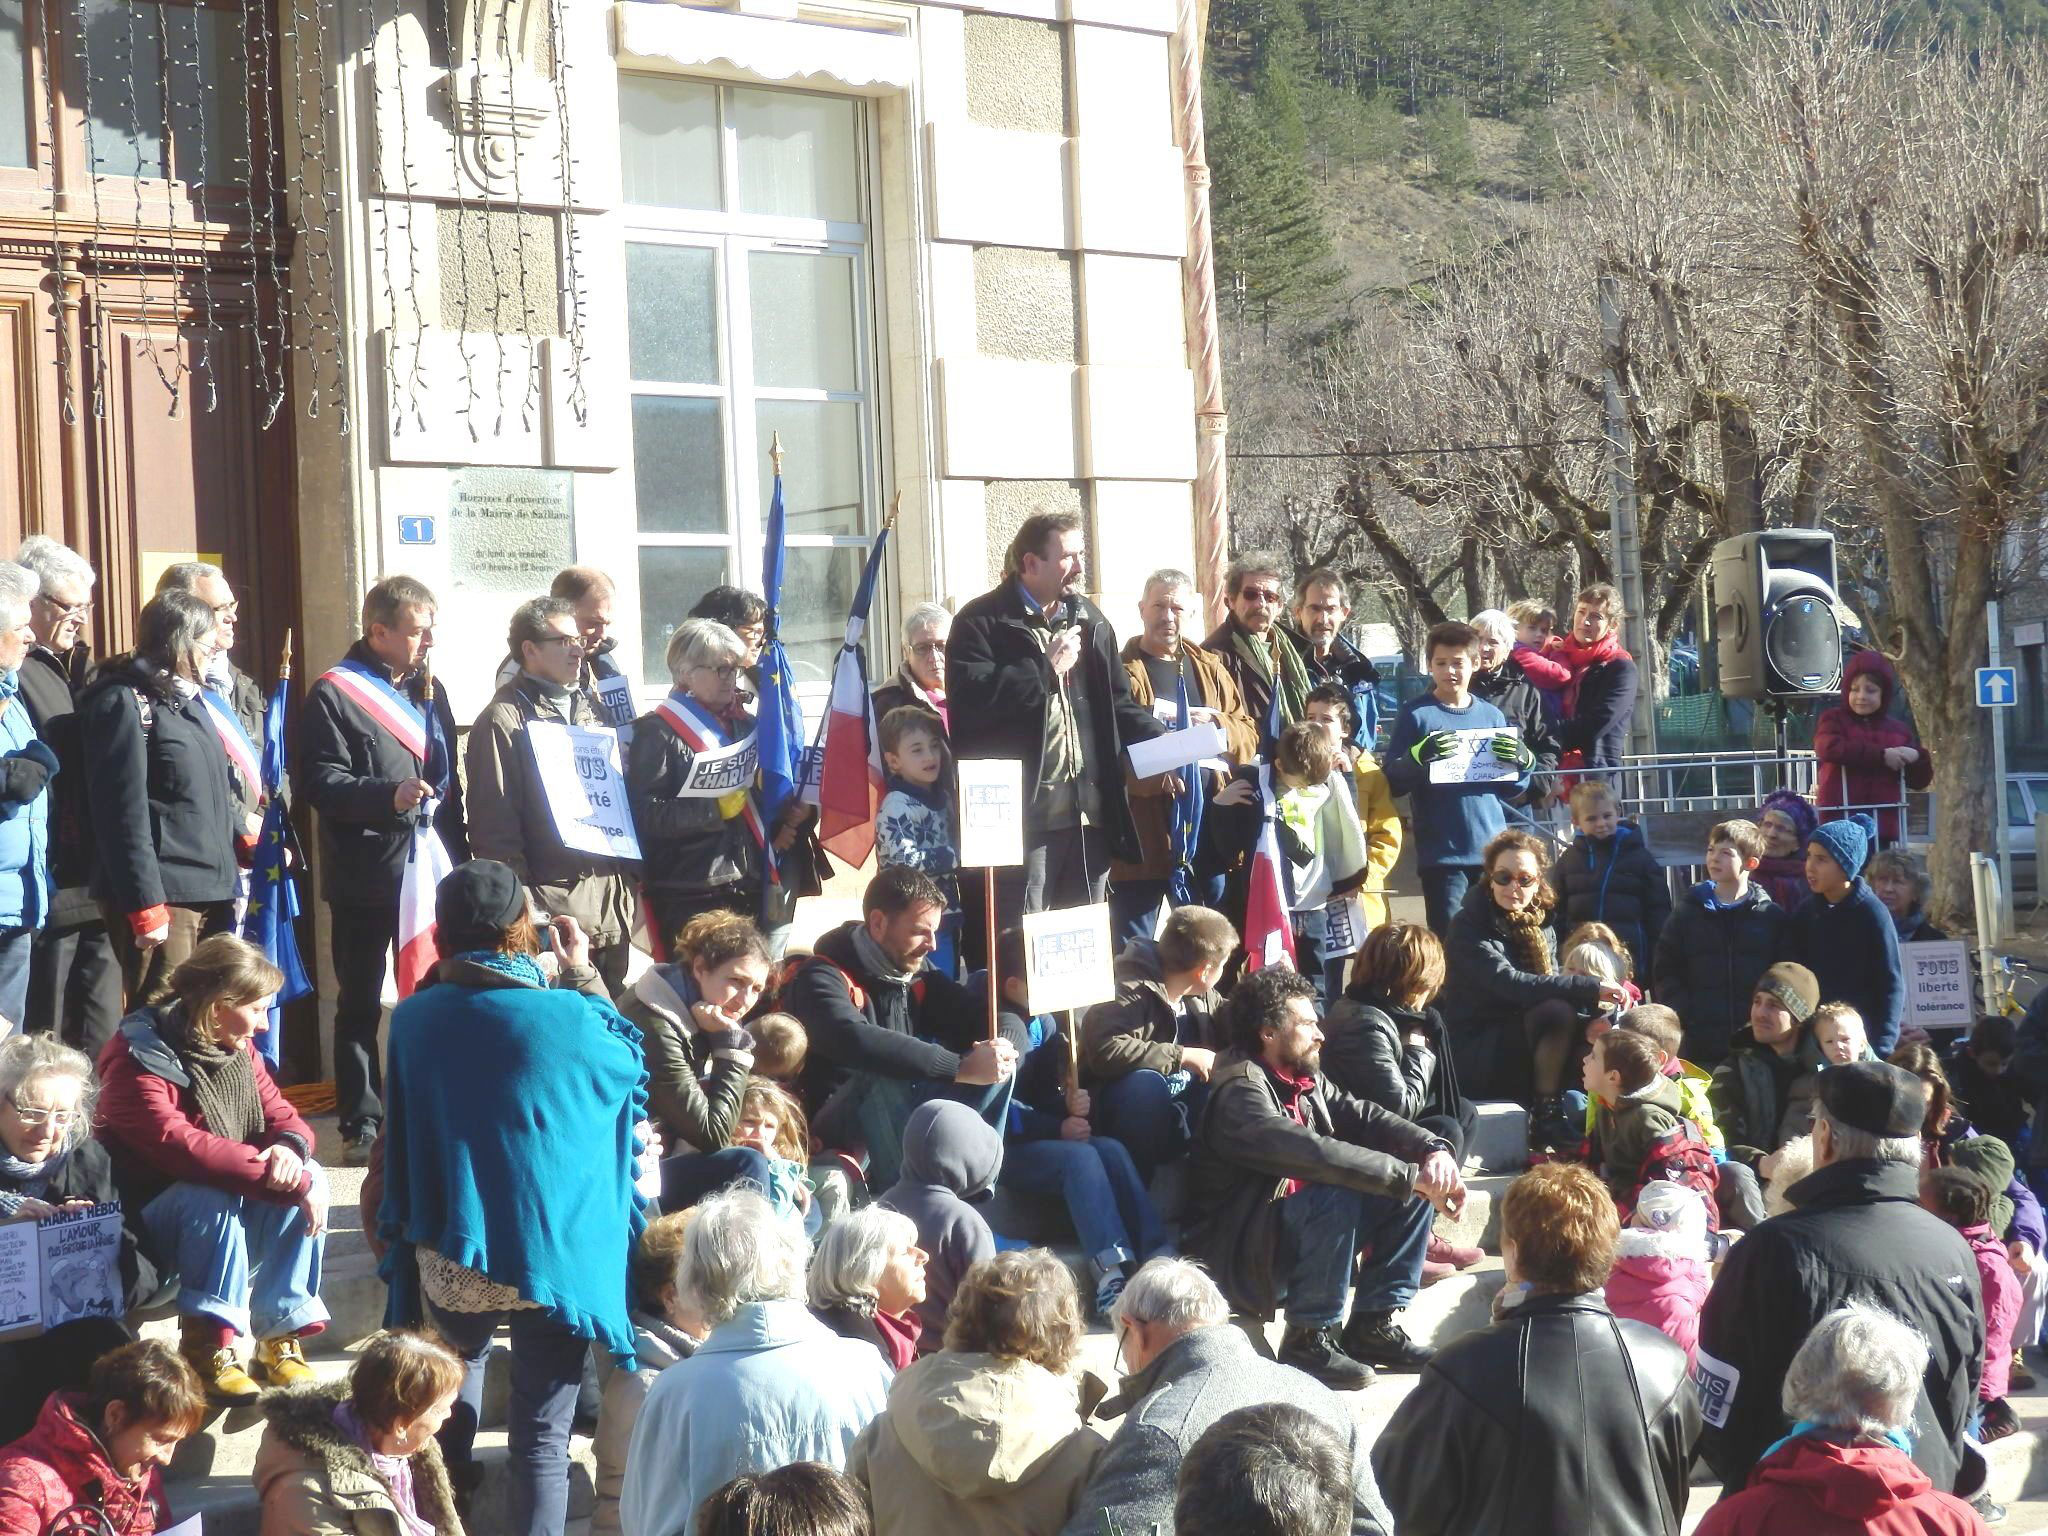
{"x":769,"y":1385}
{"x":867,"y":1277}
{"x":691,"y":785}
{"x":49,"y":1162}
{"x":1846,"y":1467}
{"x":1501,"y":681}
{"x":922,"y":677}
{"x":26,"y":766}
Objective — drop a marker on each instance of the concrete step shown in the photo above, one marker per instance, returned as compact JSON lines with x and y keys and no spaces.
{"x":1500,"y":1138}
{"x":1478,"y":1224}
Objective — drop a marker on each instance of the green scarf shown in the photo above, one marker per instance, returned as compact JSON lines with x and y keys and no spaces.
{"x":223,"y":1081}
{"x":1294,"y":685}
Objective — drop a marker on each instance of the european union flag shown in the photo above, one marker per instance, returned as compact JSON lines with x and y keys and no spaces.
{"x":273,"y":894}
{"x":778,"y":722}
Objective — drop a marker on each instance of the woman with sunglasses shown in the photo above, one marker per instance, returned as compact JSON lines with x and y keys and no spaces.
{"x":49,"y":1163}
{"x":701,"y":850}
{"x":1513,"y":1020}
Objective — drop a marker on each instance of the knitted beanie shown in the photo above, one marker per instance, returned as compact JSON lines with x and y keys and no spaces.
{"x":1847,"y":842}
{"x":1793,"y":986}
{"x":1796,"y":808}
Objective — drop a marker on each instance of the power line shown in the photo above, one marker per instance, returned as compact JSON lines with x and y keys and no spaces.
{"x":1403,"y":453}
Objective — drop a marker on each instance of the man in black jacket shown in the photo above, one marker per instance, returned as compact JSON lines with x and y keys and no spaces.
{"x":1322,"y":607}
{"x":1856,"y":1233}
{"x":1292,"y":1180}
{"x":371,"y":783}
{"x":887,"y":1031}
{"x":1032,"y":673}
{"x":74,"y":984}
{"x":1559,"y":1417}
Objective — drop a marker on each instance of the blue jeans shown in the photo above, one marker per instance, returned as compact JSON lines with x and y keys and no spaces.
{"x":547,"y":1370}
{"x":1325,"y":1227}
{"x":688,"y":1177}
{"x":15,"y":945}
{"x":213,"y":1240}
{"x":1154,"y":1116}
{"x":1105,"y":1197}
{"x":1443,"y":891}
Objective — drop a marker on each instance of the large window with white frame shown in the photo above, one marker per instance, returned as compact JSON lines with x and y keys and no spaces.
{"x":749,"y":315}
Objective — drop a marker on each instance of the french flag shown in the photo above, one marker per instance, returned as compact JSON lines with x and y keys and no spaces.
{"x":426,"y":865}
{"x":1268,"y":915}
{"x":850,"y":776}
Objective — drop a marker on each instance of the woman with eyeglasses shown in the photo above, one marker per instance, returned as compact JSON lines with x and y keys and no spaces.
{"x":922,"y":677}
{"x":702,"y":846}
{"x":49,"y":1163}
{"x":1513,"y":1019}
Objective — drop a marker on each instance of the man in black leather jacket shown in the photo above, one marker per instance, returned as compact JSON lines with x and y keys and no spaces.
{"x":1560,"y":1416}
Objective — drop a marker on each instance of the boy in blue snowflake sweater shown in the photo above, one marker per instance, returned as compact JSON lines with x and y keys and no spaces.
{"x":915,"y":823}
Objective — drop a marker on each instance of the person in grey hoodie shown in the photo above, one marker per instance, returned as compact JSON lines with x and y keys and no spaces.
{"x":1189,"y":1367}
{"x":951,"y":1157}
{"x":665,"y":1330}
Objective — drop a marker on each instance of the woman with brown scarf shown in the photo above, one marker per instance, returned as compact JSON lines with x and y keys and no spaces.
{"x":1512,"y":1019}
{"x":220,"y":1166}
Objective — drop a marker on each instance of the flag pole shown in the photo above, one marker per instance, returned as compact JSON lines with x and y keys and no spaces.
{"x":284,"y":665}
{"x":988,"y":874}
{"x":775,"y":453}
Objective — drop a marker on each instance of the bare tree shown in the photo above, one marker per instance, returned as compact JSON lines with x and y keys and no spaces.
{"x":1905,"y":186}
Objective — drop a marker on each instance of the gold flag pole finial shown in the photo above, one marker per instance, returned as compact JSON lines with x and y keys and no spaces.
{"x":775,"y":452}
{"x":284,"y":665}
{"x":895,"y":509}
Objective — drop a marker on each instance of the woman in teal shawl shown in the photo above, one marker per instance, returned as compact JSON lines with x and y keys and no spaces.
{"x":514,"y":1123}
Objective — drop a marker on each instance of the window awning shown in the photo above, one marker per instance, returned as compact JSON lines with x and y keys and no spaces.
{"x":786,"y":51}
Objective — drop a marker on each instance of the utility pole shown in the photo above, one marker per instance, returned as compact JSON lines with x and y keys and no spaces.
{"x":1625,"y":545}
{"x":1999,"y":819}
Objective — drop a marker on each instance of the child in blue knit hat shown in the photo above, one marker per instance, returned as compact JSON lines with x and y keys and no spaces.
{"x":1843,"y":934}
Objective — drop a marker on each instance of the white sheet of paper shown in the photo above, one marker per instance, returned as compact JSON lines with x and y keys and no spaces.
{"x":991,"y":812}
{"x":1176,"y":749}
{"x":189,"y":1526}
{"x":1069,"y":961}
{"x":585,"y":787}
{"x":1473,"y":762}
{"x":1347,"y":928}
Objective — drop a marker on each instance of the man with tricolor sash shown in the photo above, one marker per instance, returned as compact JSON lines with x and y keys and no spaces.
{"x":510,"y":816}
{"x":371,"y":768}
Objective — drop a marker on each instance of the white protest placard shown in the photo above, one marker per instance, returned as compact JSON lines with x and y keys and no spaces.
{"x":1938,"y":984}
{"x":716,"y":773}
{"x":585,"y":788}
{"x":60,"y":1269}
{"x":614,"y":692}
{"x":1069,"y":961}
{"x":991,"y":812}
{"x":1176,"y":749}
{"x":1347,"y":928}
{"x":1472,"y":760}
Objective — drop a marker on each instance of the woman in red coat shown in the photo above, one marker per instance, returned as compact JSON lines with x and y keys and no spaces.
{"x":221,"y":1168}
{"x":104,"y":1448}
{"x":1844,"y":1469}
{"x":1862,"y":750}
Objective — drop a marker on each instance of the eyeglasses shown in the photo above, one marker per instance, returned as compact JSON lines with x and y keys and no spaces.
{"x":576,"y":640}
{"x":1259,"y":595}
{"x":724,"y":674}
{"x":229,"y":611}
{"x":78,"y":610}
{"x":36,"y":1119}
{"x":929,"y":648}
{"x":1521,"y":882}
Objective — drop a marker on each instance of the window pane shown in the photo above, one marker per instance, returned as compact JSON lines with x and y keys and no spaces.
{"x":207,"y":45}
{"x":678,"y":465}
{"x":821,"y":479}
{"x":671,"y":313}
{"x":668,"y":142}
{"x":123,"y":57}
{"x":817,"y":592}
{"x":798,"y":155}
{"x":671,"y":581}
{"x":13,"y":86}
{"x":803,"y":321}
{"x":2017,"y":812}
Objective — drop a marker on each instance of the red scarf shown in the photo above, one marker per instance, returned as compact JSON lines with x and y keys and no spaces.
{"x":1293,"y":1094}
{"x":1580,"y":657}
{"x":899,"y":1336}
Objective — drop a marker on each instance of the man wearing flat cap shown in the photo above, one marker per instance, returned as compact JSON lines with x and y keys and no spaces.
{"x":1856,"y":1233}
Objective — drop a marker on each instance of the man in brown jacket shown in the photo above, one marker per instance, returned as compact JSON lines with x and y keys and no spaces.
{"x":1291,"y":1180}
{"x":1160,"y":663}
{"x":509,"y":819}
